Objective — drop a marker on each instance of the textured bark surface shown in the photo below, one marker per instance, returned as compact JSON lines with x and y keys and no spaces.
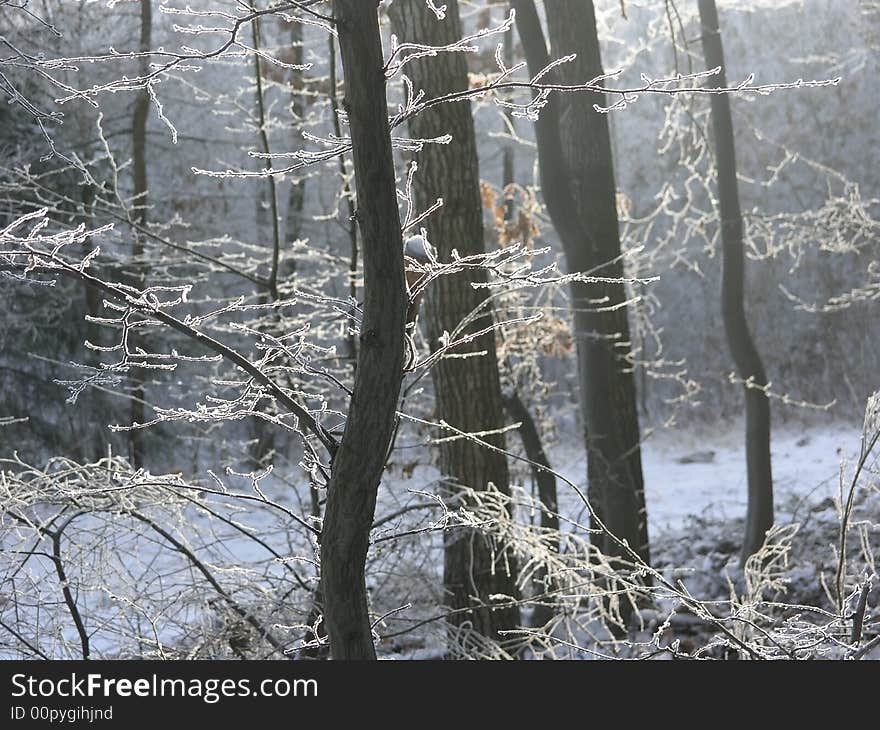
{"x":467,"y":390}
{"x":357,"y":465}
{"x":139,"y":170}
{"x":759,"y":517}
{"x":577,"y":179}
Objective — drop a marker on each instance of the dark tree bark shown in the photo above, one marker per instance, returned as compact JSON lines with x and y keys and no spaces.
{"x":297,"y":196}
{"x":543,"y":473}
{"x":468,"y":391}
{"x":509,"y":153}
{"x":577,"y":180}
{"x":759,"y":517}
{"x":94,"y":447}
{"x":139,"y":169}
{"x":545,"y":479}
{"x":264,"y":434}
{"x":357,"y":464}
{"x":271,"y":189}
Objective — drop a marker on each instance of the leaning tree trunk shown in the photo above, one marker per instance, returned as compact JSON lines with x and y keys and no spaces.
{"x":759,"y":517}
{"x":139,"y":169}
{"x":542,"y":473}
{"x":577,"y":180}
{"x":468,"y":390}
{"x":545,"y":479}
{"x":358,"y":463}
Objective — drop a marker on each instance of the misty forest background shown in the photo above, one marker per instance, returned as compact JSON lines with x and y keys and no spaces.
{"x":509,"y":367}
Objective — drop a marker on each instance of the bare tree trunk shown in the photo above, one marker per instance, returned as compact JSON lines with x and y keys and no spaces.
{"x":357,"y":465}
{"x":509,"y":151}
{"x":139,"y":168}
{"x":93,"y":447}
{"x":577,"y":180}
{"x":315,"y":619}
{"x":264,"y":434}
{"x":468,"y":390}
{"x":759,"y":517}
{"x":297,"y":196}
{"x":613,"y":436}
{"x":543,"y":476}
{"x":350,"y":226}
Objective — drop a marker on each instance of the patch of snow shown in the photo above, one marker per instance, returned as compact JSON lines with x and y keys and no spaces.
{"x":806,"y":465}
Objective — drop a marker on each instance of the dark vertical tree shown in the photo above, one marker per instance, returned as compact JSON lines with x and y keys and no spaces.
{"x":542,"y":473}
{"x":468,"y":390}
{"x":264,"y":441}
{"x":508,"y":152}
{"x":759,"y":517}
{"x":297,"y":196}
{"x":139,"y":170}
{"x":545,"y":479}
{"x":358,"y":462}
{"x":350,"y":226}
{"x":577,"y":181}
{"x":95,"y":446}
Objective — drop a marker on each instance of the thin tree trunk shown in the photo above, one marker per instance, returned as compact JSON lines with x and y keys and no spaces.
{"x":759,"y":517}
{"x":297,"y":196}
{"x":316,"y":613}
{"x":264,"y":433}
{"x":271,"y":185}
{"x":543,"y":473}
{"x":509,"y":152}
{"x":544,"y":478}
{"x":350,"y":226}
{"x":577,"y":180}
{"x":94,"y":447}
{"x":358,"y":463}
{"x":139,"y":168}
{"x":546,"y":482}
{"x":468,"y":390}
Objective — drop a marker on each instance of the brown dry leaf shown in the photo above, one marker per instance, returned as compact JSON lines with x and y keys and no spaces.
{"x":557,"y":341}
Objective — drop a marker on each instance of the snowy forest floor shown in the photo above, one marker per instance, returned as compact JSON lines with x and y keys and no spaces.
{"x":696,"y":499}
{"x":702,"y":473}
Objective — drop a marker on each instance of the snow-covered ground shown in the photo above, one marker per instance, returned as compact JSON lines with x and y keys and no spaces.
{"x":695,"y":481}
{"x":710,"y":488}
{"x":711,"y":482}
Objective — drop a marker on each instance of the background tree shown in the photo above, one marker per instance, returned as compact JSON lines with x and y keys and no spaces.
{"x":141,"y":206}
{"x":749,"y":367}
{"x":467,"y":389}
{"x":577,"y":180}
{"x":358,"y":463}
